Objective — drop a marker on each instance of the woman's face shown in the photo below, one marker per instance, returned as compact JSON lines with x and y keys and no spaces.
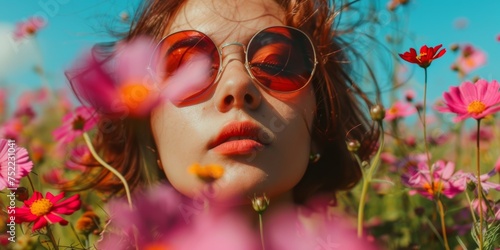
{"x":261,"y":138}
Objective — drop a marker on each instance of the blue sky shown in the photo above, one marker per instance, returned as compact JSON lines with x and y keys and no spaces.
{"x":76,"y":25}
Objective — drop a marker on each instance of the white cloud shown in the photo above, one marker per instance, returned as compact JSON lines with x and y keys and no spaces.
{"x":15,"y":56}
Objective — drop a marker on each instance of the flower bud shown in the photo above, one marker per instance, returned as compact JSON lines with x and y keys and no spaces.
{"x":22,"y":194}
{"x":454,"y":47}
{"x":353,"y":145}
{"x":471,"y":186}
{"x":377,"y":112}
{"x":260,"y":203}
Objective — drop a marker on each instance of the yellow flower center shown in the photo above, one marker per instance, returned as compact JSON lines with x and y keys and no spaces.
{"x":134,"y":93}
{"x":207,"y":173}
{"x":476,"y":107}
{"x":435,"y":189}
{"x":420,"y":56}
{"x":41,"y":207}
{"x":392,"y":111}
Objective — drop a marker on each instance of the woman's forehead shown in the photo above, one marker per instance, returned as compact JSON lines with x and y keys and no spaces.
{"x":227,"y":18}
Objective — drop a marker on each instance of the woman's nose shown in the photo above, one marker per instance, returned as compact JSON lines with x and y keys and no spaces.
{"x":236,"y":88}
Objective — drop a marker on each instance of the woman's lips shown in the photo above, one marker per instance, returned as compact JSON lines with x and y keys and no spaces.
{"x":238,"y":147}
{"x":239,"y":138}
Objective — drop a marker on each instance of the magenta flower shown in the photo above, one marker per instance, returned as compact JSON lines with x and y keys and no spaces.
{"x":399,"y":110}
{"x":75,"y":124}
{"x":12,"y":129}
{"x":120,"y":85}
{"x":28,"y":28}
{"x":80,"y":156}
{"x":475,"y":100}
{"x":11,"y":174}
{"x":444,"y":181}
{"x":165,"y":218}
{"x":43,"y":211}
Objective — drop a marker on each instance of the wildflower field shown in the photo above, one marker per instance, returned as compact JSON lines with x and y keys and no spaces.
{"x":433,"y":182}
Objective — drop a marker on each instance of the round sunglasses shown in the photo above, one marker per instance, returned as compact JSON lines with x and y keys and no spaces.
{"x":279,"y":58}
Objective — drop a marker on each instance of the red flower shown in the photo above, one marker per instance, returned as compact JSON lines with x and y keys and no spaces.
{"x":424,"y":59}
{"x":43,"y":211}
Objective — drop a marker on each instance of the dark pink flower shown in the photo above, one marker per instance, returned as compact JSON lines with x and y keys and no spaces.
{"x":474,"y":100}
{"x":10,"y":174}
{"x":12,"y":129}
{"x":399,"y":110}
{"x":75,"y":124}
{"x":80,"y":156}
{"x":28,"y":28}
{"x":43,"y":211}
{"x":443,"y":181}
{"x":485,"y":134}
{"x":119,"y":85}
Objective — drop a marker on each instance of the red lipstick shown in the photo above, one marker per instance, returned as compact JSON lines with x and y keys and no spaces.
{"x":238,"y":138}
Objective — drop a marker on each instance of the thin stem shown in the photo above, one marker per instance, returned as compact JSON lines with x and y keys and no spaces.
{"x":366,"y":182}
{"x":108,"y":167}
{"x":479,"y":187}
{"x":425,"y":127}
{"x":443,"y":224}
{"x":261,"y":229}
{"x":51,"y":237}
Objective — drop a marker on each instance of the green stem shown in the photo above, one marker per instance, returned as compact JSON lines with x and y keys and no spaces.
{"x":443,"y":224}
{"x":261,"y":229}
{"x":366,"y":182}
{"x":51,"y":237}
{"x":108,"y":167}
{"x":479,"y":187}
{"x":424,"y":118}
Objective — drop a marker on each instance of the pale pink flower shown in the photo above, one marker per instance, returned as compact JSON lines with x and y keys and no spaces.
{"x":311,"y":227}
{"x":75,"y":124}
{"x":14,"y":164}
{"x":465,"y":178}
{"x":28,"y":28}
{"x":410,"y":95}
{"x":475,"y":100}
{"x":399,"y":110}
{"x":444,"y":181}
{"x":469,"y":59}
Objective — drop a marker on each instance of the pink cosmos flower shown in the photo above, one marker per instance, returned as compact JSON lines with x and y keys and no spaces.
{"x":165,"y":218}
{"x":43,"y":211}
{"x":12,"y":129}
{"x":75,"y":124}
{"x":475,"y":100}
{"x":311,"y":227}
{"x":444,"y":181}
{"x":465,"y":178}
{"x":80,"y":155}
{"x":123,"y":84}
{"x":410,"y":95}
{"x":10,"y":153}
{"x":399,"y":110}
{"x":469,"y":59}
{"x":28,"y":27}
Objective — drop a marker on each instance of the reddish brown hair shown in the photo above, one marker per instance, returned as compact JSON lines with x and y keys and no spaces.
{"x":342,"y":108}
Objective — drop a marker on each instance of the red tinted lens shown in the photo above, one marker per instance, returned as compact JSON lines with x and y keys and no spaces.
{"x":188,"y":64}
{"x":281,"y":58}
